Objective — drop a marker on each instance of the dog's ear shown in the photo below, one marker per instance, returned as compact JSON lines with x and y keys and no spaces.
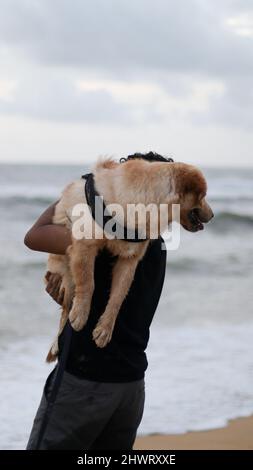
{"x":190,"y":180}
{"x":106,"y":163}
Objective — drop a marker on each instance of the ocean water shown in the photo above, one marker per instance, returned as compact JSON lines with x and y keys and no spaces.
{"x":201,"y":350}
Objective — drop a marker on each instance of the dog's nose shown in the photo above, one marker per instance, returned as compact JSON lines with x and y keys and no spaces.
{"x":205,"y":215}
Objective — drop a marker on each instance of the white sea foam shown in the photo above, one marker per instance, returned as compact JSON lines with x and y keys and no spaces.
{"x":198,"y":378}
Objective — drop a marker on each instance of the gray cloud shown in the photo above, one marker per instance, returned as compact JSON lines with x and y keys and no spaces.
{"x":57,"y":99}
{"x":122,"y":35}
{"x":234,"y":108}
{"x":159,"y":41}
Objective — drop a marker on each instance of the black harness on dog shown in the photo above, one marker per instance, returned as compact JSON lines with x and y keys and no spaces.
{"x":101,"y":215}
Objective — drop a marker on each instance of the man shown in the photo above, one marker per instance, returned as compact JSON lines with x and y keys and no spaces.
{"x":100,"y":401}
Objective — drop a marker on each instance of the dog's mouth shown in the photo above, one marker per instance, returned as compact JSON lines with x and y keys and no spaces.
{"x":195,"y":223}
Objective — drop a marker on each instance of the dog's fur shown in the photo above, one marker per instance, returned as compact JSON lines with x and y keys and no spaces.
{"x":135,"y":181}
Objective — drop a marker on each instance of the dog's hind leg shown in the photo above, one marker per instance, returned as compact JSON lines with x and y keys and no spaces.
{"x":82,"y":261}
{"x":60,"y":264}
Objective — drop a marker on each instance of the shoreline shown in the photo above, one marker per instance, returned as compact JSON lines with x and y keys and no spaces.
{"x":237,"y":435}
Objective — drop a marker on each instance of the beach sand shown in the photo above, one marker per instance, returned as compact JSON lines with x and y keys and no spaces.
{"x":237,"y":435}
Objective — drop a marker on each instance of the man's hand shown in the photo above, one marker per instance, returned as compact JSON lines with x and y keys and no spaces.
{"x":54,"y":281}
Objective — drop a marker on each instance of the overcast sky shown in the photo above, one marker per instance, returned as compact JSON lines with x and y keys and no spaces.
{"x":82,"y":78}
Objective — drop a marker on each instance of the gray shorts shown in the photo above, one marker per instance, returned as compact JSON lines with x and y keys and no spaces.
{"x":90,"y":415}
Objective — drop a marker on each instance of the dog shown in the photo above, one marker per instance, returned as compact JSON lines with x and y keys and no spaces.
{"x":135,"y":181}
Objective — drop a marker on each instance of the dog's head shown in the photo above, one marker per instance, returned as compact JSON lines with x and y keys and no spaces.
{"x":167,"y":183}
{"x":191,"y":188}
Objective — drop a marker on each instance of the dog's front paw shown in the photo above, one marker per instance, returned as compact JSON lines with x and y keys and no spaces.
{"x":77,"y":317}
{"x":102,"y":334}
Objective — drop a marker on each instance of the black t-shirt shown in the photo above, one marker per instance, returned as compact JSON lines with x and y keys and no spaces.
{"x":124,"y":358}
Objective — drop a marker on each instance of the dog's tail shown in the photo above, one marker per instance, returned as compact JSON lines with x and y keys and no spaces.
{"x":54,"y":350}
{"x":51,"y":357}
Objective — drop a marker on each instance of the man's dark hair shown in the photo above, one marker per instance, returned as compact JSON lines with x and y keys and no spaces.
{"x":150,"y":156}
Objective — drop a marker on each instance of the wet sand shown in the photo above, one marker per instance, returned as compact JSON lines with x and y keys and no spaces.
{"x":237,"y":435}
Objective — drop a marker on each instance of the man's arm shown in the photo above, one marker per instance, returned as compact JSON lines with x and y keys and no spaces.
{"x":50,"y":238}
{"x":47,"y":237}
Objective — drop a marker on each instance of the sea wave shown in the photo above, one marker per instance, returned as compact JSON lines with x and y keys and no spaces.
{"x":28,"y":200}
{"x":228,"y":198}
{"x":230,"y":265}
{"x":29,"y":193}
{"x":228,"y":211}
{"x":11,"y":265}
{"x":195,"y":264}
{"x":225,"y":219}
{"x":34,"y":197}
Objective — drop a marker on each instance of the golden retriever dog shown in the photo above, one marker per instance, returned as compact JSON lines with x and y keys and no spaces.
{"x":135,"y":181}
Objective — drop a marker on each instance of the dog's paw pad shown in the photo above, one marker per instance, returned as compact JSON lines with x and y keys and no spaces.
{"x":102,"y":335}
